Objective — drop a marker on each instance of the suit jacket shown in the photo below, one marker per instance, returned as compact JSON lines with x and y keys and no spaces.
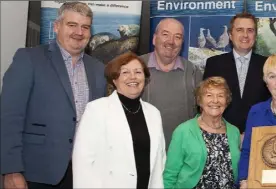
{"x":187,"y":154}
{"x":103,"y":155}
{"x":38,"y":114}
{"x":255,"y":89}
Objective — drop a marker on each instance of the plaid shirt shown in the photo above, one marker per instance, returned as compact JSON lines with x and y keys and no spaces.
{"x":78,"y":79}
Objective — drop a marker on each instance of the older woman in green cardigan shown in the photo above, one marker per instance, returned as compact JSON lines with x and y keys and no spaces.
{"x":204,"y":151}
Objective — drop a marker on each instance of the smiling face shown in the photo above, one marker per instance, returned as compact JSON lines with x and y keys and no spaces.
{"x":213,"y":102}
{"x":243,"y":35}
{"x":73,"y":32}
{"x":168,"y":40}
{"x":131,"y":80}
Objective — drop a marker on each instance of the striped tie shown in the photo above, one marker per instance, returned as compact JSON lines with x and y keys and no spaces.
{"x":242,"y":76}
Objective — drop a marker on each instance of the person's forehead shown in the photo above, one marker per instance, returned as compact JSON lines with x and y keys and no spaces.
{"x":171,"y":26}
{"x":214,"y":89}
{"x":132,"y":64}
{"x":271,"y":70}
{"x":72,"y":15}
{"x":244,"y":22}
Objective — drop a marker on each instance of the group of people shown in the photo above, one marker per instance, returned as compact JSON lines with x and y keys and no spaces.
{"x":165,"y":125}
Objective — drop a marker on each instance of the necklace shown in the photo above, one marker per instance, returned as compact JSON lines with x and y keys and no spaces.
{"x":272,"y":109}
{"x":220,"y":125}
{"x":135,"y":112}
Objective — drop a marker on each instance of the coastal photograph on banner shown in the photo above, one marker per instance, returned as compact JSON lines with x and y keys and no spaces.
{"x":265,"y":13}
{"x":115,"y":28}
{"x":208,"y":39}
{"x":206,"y":25}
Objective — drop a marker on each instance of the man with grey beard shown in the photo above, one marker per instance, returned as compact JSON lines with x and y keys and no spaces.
{"x":173,"y":79}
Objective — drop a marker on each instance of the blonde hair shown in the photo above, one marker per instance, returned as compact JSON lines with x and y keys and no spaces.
{"x":212,"y":82}
{"x":79,"y":7}
{"x":270,"y":64}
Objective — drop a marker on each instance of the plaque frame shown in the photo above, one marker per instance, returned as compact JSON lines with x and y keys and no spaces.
{"x":260,"y":135}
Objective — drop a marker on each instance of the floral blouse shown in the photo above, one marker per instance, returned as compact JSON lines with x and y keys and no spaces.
{"x":218,"y":171}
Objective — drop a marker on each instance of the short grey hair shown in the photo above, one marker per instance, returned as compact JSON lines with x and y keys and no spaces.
{"x":172,"y":19}
{"x":78,"y":7}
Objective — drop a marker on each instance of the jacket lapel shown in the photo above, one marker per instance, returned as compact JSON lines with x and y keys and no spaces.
{"x":195,"y":130}
{"x":153,"y":133}
{"x":233,"y":77}
{"x":233,"y":147}
{"x":117,"y":123}
{"x":251,"y":76}
{"x":90,"y":77}
{"x":60,"y":68}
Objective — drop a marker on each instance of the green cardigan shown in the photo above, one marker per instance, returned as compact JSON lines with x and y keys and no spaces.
{"x":187,"y":154}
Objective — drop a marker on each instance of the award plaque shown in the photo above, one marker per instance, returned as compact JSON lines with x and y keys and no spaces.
{"x":262,"y":164}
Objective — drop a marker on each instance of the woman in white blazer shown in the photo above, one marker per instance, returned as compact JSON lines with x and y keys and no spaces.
{"x":120,"y":142}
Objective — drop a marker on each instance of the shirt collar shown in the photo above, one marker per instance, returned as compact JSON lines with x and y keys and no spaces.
{"x":267,"y":106}
{"x":268,"y":112}
{"x":153,"y":63}
{"x":247,"y":56}
{"x":66,"y":55}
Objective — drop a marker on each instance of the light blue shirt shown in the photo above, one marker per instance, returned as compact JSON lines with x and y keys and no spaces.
{"x":242,"y":68}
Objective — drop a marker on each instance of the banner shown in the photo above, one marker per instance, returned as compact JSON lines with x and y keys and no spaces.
{"x":265,"y":11}
{"x":206,"y":24}
{"x":115,"y":28}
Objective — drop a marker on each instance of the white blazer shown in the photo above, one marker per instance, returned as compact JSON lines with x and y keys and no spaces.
{"x":103,"y":155}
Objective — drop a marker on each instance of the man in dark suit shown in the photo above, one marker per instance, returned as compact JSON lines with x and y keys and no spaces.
{"x":45,"y":91}
{"x":242,"y":69}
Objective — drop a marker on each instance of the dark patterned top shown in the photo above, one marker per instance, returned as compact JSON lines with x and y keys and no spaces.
{"x":218,"y":171}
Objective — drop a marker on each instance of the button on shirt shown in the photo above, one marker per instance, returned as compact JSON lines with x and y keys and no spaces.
{"x":242,"y":64}
{"x":78,"y":79}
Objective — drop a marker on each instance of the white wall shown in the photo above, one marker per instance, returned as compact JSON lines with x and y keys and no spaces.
{"x":14,"y":17}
